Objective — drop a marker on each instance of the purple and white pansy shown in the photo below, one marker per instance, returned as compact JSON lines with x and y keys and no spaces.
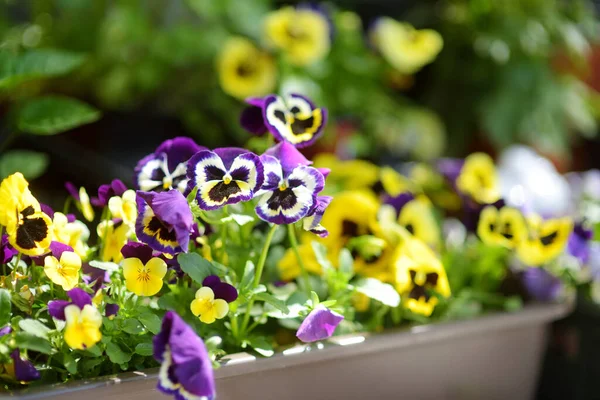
{"x":292,"y":118}
{"x":290,"y":190}
{"x":224,"y":176}
{"x":312,"y":222}
{"x":166,"y":168}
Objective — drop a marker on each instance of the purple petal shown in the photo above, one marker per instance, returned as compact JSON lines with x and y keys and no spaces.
{"x":398,"y":202}
{"x":71,"y":218}
{"x":58,"y":248}
{"x":72,"y":190}
{"x":225,"y":291}
{"x":579,"y":243}
{"x":137,"y":250}
{"x":178,"y":150}
{"x":79,"y":297}
{"x":288,"y":156}
{"x":24,"y":369}
{"x":105,"y":192}
{"x":450,"y":168}
{"x":252,"y":120}
{"x":5,"y":331}
{"x":94,"y":275}
{"x":111,"y":309}
{"x":211,"y":281}
{"x":541,"y":285}
{"x":318,"y":325}
{"x":256,"y":101}
{"x":56,"y":308}
{"x":324,"y":171}
{"x":46,"y":209}
{"x":228,"y":154}
{"x":7,"y":252}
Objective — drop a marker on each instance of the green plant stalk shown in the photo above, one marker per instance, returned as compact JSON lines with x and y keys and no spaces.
{"x":14,"y":271}
{"x":303,"y":271}
{"x":258,"y":274}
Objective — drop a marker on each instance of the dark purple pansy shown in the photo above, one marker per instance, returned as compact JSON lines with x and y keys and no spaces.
{"x":312,"y":222}
{"x":166,"y":168}
{"x":399,"y":201}
{"x":7,"y":252}
{"x":105,"y":192}
{"x":224,"y":176}
{"x":292,"y":118}
{"x":96,"y":276}
{"x":222,"y":290}
{"x":79,"y":297}
{"x":541,"y":285}
{"x":186,"y":369}
{"x":164,"y":221}
{"x":137,"y":250}
{"x":111,"y":310}
{"x":290,"y":190}
{"x":46,"y":209}
{"x":72,"y":190}
{"x":24,"y":369}
{"x":579,"y":243}
{"x":318,"y":325}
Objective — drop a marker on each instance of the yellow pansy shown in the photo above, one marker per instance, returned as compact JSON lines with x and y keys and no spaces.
{"x":301,"y":33}
{"x":546,"y":240}
{"x":114,"y":237}
{"x":28,"y":228}
{"x":244,"y":70}
{"x":124,"y":207}
{"x":404,"y":47}
{"x":144,"y":280}
{"x":418,"y":219}
{"x":418,"y":272}
{"x":207,"y":307}
{"x":85,"y":206}
{"x":478,"y":179}
{"x":288,"y":264}
{"x":73,"y":234}
{"x":63,"y":272}
{"x":505,"y":227}
{"x":82,"y":328}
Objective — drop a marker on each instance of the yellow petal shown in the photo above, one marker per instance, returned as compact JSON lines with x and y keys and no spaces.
{"x":91,"y":317}
{"x":221,"y":308}
{"x":205,"y":293}
{"x":152,"y":286}
{"x":200,"y":306}
{"x":157,"y":267}
{"x":131,"y":267}
{"x":208,"y":317}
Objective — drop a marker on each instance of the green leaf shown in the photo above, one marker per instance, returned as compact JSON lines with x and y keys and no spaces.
{"x":34,"y":327}
{"x":377,"y":290}
{"x":144,"y":349}
{"x":5,"y":307}
{"x":28,"y":341}
{"x":195,"y":266}
{"x":346,"y":262}
{"x":70,"y":363}
{"x":132,"y":326}
{"x":321,"y":255}
{"x":116,"y":355}
{"x":275,"y":302}
{"x":248,"y":275}
{"x":50,"y":115}
{"x":261,"y":345}
{"x":151,"y":321}
{"x":105,"y":265}
{"x":90,"y":364}
{"x":314,"y":299}
{"x":31,"y":164}
{"x":35,"y":64}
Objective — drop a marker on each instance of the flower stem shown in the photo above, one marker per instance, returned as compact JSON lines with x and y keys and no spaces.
{"x":303,"y":271}
{"x":16,"y":265}
{"x":258,"y":274}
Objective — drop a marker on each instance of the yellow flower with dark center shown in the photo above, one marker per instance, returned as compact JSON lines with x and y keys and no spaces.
{"x":144,"y":280}
{"x":28,"y":228}
{"x":244,"y":70}
{"x":418,"y":219}
{"x":114,"y":237}
{"x":478,"y":179}
{"x":82,"y":328}
{"x":505,"y":227}
{"x":301,"y":33}
{"x":124,"y":207}
{"x":404,"y":47}
{"x":546,"y":240}
{"x":207,"y":307}
{"x":418,"y":273}
{"x":63,"y":272}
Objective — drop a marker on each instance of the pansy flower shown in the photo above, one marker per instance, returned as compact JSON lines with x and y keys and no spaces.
{"x":67,"y":230}
{"x":20,"y":370}
{"x":105,"y":192}
{"x":579,"y":243}
{"x":419,"y":273}
{"x":290,"y":188}
{"x":547,"y":239}
{"x":82,"y":327}
{"x":114,"y":235}
{"x":302,"y":33}
{"x":416,"y":215}
{"x":312,"y":222}
{"x":291,"y":118}
{"x":28,"y":228}
{"x":186,"y":369}
{"x":245,"y":70}
{"x":404,"y":47}
{"x":82,"y":200}
{"x":7,"y":252}
{"x":79,"y":297}
{"x":478,"y":179}
{"x":224,"y":176}
{"x":318,"y":325}
{"x":62,"y":266}
{"x":124,"y":207}
{"x":541,"y":285}
{"x":504,"y":227}
{"x":143,"y":273}
{"x":211,"y":300}
{"x":164,"y":221}
{"x":166,"y":168}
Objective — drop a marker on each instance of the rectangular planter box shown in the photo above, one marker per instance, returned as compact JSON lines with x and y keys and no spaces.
{"x":493,"y":357}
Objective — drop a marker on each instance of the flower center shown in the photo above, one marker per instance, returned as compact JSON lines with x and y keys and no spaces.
{"x":227,"y":179}
{"x":167,"y":182}
{"x":283,"y":186}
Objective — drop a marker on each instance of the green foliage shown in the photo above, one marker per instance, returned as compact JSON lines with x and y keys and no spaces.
{"x":31,"y":164}
{"x":50,"y":115}
{"x":195,"y":266}
{"x":377,"y":290}
{"x":5,"y":307}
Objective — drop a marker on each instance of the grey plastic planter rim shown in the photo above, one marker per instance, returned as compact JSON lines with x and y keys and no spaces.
{"x":338,"y":348}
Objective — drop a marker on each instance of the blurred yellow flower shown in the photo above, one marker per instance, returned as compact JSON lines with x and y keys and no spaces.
{"x":546,"y":240}
{"x":418,"y":219}
{"x":73,"y":234}
{"x":505,"y":227}
{"x":301,"y":33}
{"x":114,"y":237}
{"x":207,"y":307}
{"x":82,"y":328}
{"x":478,"y":179}
{"x":144,"y":280}
{"x":28,"y":228}
{"x":85,"y":205}
{"x":404,"y":47}
{"x":124,"y":207}
{"x":244,"y":70}
{"x":63,"y":272}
